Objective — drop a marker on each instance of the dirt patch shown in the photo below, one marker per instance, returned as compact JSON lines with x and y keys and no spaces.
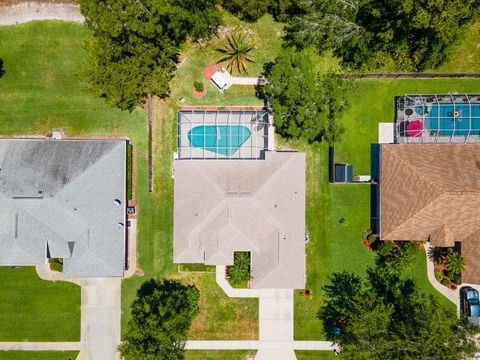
{"x":16,"y":12}
{"x":199,"y":94}
{"x":210,"y":70}
{"x":14,"y":2}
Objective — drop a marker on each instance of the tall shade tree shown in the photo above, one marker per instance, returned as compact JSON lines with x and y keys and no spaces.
{"x":365,"y":33}
{"x":236,"y":52}
{"x":136,"y":43}
{"x":161,"y":317}
{"x":306,"y":103}
{"x":386,"y":317}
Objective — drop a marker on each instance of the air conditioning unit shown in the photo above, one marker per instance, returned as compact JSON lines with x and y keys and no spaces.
{"x":362,"y":178}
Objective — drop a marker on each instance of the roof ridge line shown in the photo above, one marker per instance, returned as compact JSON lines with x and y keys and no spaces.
{"x":444,"y":193}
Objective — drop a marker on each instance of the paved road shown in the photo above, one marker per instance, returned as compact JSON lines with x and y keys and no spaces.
{"x":100,"y":319}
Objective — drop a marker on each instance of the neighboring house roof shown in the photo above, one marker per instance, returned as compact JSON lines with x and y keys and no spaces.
{"x":58,"y":197}
{"x":432,"y":191}
{"x":246,"y":205}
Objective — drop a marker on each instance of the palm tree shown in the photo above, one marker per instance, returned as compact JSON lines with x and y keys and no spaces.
{"x":454,"y":262}
{"x":236,"y":52}
{"x":239,"y":272}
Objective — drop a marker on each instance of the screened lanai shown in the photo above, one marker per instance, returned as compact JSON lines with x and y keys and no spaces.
{"x":222,"y":134}
{"x":434,"y":118}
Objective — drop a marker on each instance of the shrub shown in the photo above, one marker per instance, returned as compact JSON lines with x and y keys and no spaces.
{"x":198,"y":85}
{"x":372,"y":238}
{"x":239,"y":272}
{"x":454,"y":262}
{"x":445,"y":282}
{"x":56,"y":264}
{"x":438,"y":275}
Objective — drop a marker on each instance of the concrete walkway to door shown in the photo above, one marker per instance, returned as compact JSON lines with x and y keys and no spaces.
{"x":275,"y":324}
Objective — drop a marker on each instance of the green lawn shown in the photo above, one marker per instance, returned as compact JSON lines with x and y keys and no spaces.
{"x":265,"y":34}
{"x":38,"y":355}
{"x":217,"y":354}
{"x":35,"y":310}
{"x":372,"y":102}
{"x":315,"y":355}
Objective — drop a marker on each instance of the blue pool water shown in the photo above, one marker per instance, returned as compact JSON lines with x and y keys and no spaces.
{"x":221,"y":139}
{"x":441,"y":118}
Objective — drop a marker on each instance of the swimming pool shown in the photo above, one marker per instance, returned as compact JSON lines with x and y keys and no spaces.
{"x":447,"y":119}
{"x":220,"y":139}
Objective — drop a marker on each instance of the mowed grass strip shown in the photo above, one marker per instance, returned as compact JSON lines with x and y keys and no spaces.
{"x":315,"y":355}
{"x":218,"y":354}
{"x":38,"y":355}
{"x":32,"y":309}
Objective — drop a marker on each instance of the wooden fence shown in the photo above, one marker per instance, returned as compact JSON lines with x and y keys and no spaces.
{"x":417,"y":75}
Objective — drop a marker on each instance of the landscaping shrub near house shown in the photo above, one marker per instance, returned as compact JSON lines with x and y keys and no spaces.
{"x":129,"y":171}
{"x":449,"y":265}
{"x":394,"y":257}
{"x":56,"y":264}
{"x":239,"y":273}
{"x":198,"y":85}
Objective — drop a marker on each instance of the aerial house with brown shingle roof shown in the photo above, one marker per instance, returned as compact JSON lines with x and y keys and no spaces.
{"x":432,"y":192}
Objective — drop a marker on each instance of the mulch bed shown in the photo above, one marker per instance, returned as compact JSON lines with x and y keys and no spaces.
{"x":199,"y":94}
{"x":210,"y":70}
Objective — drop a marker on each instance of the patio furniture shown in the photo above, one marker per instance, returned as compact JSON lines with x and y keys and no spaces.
{"x":415,"y":128}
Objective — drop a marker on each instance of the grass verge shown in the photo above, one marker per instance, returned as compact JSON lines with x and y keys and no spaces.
{"x":38,"y":355}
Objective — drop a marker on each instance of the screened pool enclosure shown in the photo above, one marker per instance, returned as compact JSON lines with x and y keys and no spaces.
{"x":222,"y":134}
{"x":448,"y":118}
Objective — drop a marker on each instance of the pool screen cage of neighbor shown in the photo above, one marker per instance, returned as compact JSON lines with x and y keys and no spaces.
{"x":222,"y":134}
{"x":433,"y":118}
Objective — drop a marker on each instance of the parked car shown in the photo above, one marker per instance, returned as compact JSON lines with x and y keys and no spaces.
{"x":471,"y":304}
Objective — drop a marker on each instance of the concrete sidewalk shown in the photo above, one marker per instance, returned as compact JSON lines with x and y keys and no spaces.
{"x":257,"y":344}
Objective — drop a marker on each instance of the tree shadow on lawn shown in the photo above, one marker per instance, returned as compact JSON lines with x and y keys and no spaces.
{"x":2,"y":68}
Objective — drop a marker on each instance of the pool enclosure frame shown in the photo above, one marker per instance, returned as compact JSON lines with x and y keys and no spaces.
{"x":426,"y":135}
{"x":256,"y":120}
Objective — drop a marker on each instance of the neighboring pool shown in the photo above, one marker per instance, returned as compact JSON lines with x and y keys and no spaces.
{"x":441,"y":118}
{"x":220,"y":139}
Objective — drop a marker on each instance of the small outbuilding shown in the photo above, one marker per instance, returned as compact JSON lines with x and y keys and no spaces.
{"x":343,"y":173}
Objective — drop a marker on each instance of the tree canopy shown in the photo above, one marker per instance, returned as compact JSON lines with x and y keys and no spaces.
{"x":161,"y":316}
{"x":306,"y":103}
{"x":365,"y":33}
{"x":136,"y":43}
{"x":252,"y":10}
{"x":386,"y":317}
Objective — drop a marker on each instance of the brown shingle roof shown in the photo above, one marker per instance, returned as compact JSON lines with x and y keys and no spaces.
{"x":432,"y":191}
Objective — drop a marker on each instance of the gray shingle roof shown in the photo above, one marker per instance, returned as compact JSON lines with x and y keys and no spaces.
{"x":247,"y":205}
{"x":59,"y":196}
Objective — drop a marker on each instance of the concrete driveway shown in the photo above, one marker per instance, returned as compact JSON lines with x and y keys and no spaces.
{"x":100,"y":319}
